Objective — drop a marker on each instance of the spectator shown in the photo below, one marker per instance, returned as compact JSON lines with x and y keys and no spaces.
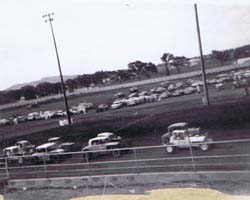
{"x":236,"y":82}
{"x":246,"y":88}
{"x":246,"y":91}
{"x":198,"y":88}
{"x":219,"y":86}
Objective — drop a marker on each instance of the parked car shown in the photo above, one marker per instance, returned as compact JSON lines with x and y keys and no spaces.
{"x":133,"y":89}
{"x":82,"y":109}
{"x":176,"y":93}
{"x":47,"y":114}
{"x":119,"y":95}
{"x":179,"y":84}
{"x":132,"y":101}
{"x":160,"y":90}
{"x":6,"y":122}
{"x":165,"y":84}
{"x":224,"y":77}
{"x":196,"y":82}
{"x":211,"y":81}
{"x":59,"y":113}
{"x":164,"y":95}
{"x":116,"y":105}
{"x":34,"y":116}
{"x":74,"y":111}
{"x":143,"y":93}
{"x":134,"y":94}
{"x":171,"y":87}
{"x":189,"y":90}
{"x":33,"y":105}
{"x":102,"y":108}
{"x":19,"y":119}
{"x":87,"y":105}
{"x":153,"y":90}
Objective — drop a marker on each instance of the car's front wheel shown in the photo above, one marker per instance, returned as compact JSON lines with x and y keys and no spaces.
{"x":204,"y":147}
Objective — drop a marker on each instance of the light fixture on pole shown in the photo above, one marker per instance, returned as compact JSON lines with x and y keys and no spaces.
{"x":49,"y":19}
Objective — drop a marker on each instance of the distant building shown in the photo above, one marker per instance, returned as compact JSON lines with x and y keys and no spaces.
{"x":161,"y":68}
{"x":22,"y":99}
{"x":194,"y":62}
{"x":106,"y":80}
{"x":244,"y":60}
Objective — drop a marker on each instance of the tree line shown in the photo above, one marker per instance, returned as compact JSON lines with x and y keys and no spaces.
{"x":136,"y":70}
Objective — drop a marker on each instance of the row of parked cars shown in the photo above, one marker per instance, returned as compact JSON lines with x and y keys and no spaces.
{"x":166,"y":90}
{"x":50,"y":114}
{"x":174,"y":89}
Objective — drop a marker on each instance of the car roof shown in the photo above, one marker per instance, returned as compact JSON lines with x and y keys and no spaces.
{"x":54,"y":138}
{"x":11,"y":147}
{"x":180,"y":124}
{"x":104,"y":134}
{"x":22,"y":141}
{"x":67,"y":143}
{"x":179,"y":131}
{"x":97,"y":138}
{"x":46,"y":145}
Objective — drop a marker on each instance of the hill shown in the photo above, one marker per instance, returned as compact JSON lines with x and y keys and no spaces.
{"x":51,"y":79}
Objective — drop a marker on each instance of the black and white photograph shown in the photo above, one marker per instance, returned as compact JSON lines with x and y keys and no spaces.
{"x":124,"y":100}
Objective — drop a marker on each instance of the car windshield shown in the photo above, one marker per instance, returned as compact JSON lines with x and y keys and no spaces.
{"x":41,"y":150}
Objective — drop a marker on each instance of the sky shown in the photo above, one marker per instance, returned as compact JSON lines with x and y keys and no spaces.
{"x":94,"y":35}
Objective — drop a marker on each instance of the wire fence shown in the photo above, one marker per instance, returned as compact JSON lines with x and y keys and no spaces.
{"x":220,"y":156}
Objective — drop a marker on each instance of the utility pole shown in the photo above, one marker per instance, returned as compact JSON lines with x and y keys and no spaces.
{"x":49,"y":19}
{"x":206,"y":98}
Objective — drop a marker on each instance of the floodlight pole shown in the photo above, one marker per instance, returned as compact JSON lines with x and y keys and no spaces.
{"x":49,"y":19}
{"x":207,"y":103}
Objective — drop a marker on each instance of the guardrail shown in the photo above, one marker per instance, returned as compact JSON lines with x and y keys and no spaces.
{"x":225,"y":155}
